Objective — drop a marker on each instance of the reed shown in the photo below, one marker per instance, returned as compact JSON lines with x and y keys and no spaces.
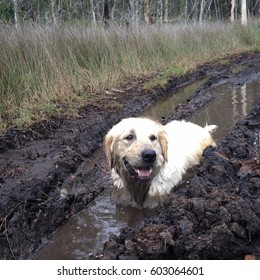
{"x":47,"y":71}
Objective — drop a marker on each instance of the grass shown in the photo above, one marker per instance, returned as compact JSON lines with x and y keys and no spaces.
{"x":47,"y":71}
{"x":163,"y":78}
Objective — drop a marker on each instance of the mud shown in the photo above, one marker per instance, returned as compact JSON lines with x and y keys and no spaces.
{"x":44,"y":178}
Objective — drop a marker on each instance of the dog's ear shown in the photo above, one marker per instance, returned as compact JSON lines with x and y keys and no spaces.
{"x":164,"y":144}
{"x":108,"y":149}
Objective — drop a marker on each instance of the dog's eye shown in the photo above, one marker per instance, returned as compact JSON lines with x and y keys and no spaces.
{"x":152,"y":137}
{"x":129,"y":137}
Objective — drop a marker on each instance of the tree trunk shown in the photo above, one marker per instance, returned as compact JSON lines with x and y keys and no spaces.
{"x":166,"y":11}
{"x":147,"y":14}
{"x":202,"y":4}
{"x":53,"y":13}
{"x":106,"y":14}
{"x":93,"y":12}
{"x":186,"y":10}
{"x":16,"y":14}
{"x":232,"y":13}
{"x":243,"y":12}
{"x":160,"y":11}
{"x":132,"y":13}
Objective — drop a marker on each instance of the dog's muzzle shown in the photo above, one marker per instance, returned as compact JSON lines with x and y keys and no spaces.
{"x":144,"y":171}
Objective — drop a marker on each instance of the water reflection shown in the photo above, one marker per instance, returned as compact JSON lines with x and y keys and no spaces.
{"x":244,"y":100}
{"x":229,"y":107}
{"x":257,"y":141}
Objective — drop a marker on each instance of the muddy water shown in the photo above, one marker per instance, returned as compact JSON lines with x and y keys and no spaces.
{"x":85,"y":233}
{"x":229,"y":107}
{"x":165,"y":108}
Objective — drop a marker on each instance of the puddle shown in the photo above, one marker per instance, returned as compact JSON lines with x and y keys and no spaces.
{"x":229,"y":107}
{"x":86,"y":232}
{"x":165,"y":107}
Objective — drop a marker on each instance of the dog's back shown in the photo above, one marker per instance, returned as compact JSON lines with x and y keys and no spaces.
{"x":186,"y":142}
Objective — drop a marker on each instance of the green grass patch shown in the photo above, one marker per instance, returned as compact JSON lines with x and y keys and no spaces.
{"x":47,"y":71}
{"x":164,"y":78}
{"x":256,"y":49}
{"x":176,"y":71}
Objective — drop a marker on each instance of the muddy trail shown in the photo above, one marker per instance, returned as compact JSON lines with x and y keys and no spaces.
{"x":51,"y":171}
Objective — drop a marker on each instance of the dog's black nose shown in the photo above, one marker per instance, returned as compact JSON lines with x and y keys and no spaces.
{"x":149,"y":155}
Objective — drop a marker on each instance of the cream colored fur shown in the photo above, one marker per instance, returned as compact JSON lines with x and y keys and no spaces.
{"x":178,"y":146}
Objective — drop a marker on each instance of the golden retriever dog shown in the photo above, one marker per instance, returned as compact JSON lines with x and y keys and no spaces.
{"x":147,"y":159}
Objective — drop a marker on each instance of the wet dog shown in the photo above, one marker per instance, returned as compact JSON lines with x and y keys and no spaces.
{"x":148,"y":159}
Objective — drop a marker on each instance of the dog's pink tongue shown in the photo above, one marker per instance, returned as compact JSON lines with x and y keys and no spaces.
{"x":143,"y":173}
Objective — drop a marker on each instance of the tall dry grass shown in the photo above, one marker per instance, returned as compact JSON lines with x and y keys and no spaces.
{"x":45,"y":71}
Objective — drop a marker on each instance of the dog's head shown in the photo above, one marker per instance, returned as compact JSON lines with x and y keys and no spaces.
{"x":136,"y":148}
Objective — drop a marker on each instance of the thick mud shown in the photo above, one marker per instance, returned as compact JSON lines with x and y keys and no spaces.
{"x":48,"y":173}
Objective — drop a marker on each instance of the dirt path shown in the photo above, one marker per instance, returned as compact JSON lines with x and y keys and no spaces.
{"x":44,"y":180}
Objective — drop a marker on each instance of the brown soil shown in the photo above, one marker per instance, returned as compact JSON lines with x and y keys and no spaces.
{"x":218,"y":216}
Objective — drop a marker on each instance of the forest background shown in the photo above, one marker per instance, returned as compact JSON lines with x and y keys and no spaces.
{"x":124,"y":12}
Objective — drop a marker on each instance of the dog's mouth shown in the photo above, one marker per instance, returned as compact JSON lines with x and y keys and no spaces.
{"x":142,"y":173}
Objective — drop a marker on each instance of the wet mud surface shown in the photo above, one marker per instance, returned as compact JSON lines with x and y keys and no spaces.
{"x":48,"y":174}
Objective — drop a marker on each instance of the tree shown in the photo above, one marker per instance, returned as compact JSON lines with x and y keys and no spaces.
{"x":93,"y":12}
{"x":16,"y":14}
{"x":166,"y":10}
{"x":243,"y":12}
{"x":147,"y":13}
{"x":232,"y":13}
{"x":106,"y":13}
{"x":53,"y":12}
{"x":202,"y":6}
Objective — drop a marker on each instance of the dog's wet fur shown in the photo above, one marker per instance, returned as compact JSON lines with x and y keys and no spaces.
{"x":148,"y":159}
